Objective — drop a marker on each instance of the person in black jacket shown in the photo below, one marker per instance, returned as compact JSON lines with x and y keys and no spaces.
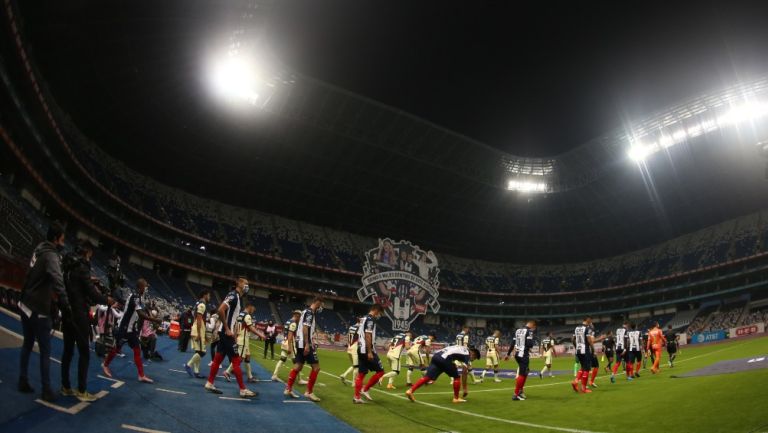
{"x":82,"y":294}
{"x":43,"y":287}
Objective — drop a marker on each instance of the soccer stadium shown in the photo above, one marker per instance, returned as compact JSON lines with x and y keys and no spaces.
{"x":338,"y":216}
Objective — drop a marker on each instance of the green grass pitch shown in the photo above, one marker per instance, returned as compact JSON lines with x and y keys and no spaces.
{"x":653,"y":403}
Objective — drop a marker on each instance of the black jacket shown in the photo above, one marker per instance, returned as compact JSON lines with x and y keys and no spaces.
{"x":80,"y":289}
{"x":44,"y":283}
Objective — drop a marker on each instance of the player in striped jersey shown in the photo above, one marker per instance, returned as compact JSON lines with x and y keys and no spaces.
{"x":286,"y":347}
{"x":492,"y":355}
{"x":462,"y":339}
{"x":367,"y":357}
{"x":128,"y":330}
{"x":522,"y":347}
{"x":621,"y":350}
{"x":396,"y":346}
{"x":229,"y":311}
{"x":352,"y":345}
{"x":245,"y":327}
{"x":306,"y":352}
{"x":584,"y":342}
{"x":417,"y":354}
{"x":446,"y":361}
{"x":634,"y":351}
{"x":199,"y":343}
{"x":548,"y":350}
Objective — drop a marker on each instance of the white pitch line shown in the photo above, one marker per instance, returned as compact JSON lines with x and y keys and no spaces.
{"x":492,"y":418}
{"x":177,"y":371}
{"x":69,"y":410}
{"x":170,"y":391}
{"x":296,"y":401}
{"x":141,"y":429}
{"x":235,"y":398}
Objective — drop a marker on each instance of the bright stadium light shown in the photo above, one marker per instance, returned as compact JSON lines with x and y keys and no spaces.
{"x":235,"y":78}
{"x":526,"y":186}
{"x":638,"y":152}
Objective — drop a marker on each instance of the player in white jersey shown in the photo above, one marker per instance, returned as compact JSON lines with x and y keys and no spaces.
{"x":305,"y":350}
{"x":352,"y":344}
{"x":548,"y":351}
{"x":245,"y":326}
{"x":634,"y":351}
{"x":620,"y":350}
{"x":462,"y":339}
{"x":417,"y":354}
{"x":368,"y":359}
{"x":492,"y":355}
{"x":396,"y":346}
{"x":286,"y":347}
{"x":584,"y":342}
{"x":199,"y":335}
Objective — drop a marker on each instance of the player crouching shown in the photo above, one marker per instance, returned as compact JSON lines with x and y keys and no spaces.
{"x":444,"y":361}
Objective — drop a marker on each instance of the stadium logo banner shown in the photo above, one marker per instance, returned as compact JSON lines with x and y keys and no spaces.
{"x":743,"y":331}
{"x":706,"y":337}
{"x":402,"y":278}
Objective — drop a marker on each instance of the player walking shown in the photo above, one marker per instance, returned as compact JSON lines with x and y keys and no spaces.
{"x":245,"y":327}
{"x":609,"y":350}
{"x":198,"y":335}
{"x":621,"y":350}
{"x":305,"y":351}
{"x":492,"y":355}
{"x":352,"y":345}
{"x":522,"y":347}
{"x":584,"y":342}
{"x":396,"y":346}
{"x":445,"y":361}
{"x":548,"y":349}
{"x":634,"y":351}
{"x":287,"y":346}
{"x":672,"y":345}
{"x":367,"y":357}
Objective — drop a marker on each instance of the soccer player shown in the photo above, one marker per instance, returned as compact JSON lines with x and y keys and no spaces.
{"x":352,"y":345}
{"x":245,"y":327}
{"x":672,"y":345}
{"x":656,"y":341}
{"x":198,"y":335}
{"x":522,"y":347}
{"x":306,"y":353}
{"x":394,"y":353}
{"x":367,"y":357}
{"x":492,"y":355}
{"x":229,"y":311}
{"x":128,"y":330}
{"x":416,"y":355}
{"x":287,"y":346}
{"x":584,"y":339}
{"x":621,"y":350}
{"x":445,"y":361}
{"x":462,"y":339}
{"x":634,"y":351}
{"x":609,"y":349}
{"x":548,"y":349}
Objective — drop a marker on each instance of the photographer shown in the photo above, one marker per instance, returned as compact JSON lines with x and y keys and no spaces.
{"x":43,"y":287}
{"x":76,"y":328}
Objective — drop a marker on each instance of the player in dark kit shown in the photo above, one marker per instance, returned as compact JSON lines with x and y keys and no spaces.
{"x":584,"y":342}
{"x":305,"y":350}
{"x":634,"y":351}
{"x":621,"y":349}
{"x":609,"y":350}
{"x":444,"y":361}
{"x":522,"y":348}
{"x":672,"y":345}
{"x":367,"y":358}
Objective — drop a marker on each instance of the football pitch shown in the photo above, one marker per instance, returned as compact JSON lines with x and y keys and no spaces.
{"x":733,"y":402}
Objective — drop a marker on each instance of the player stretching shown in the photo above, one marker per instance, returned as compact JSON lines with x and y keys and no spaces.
{"x":230,"y":310}
{"x":609,"y":349}
{"x":367,"y":357}
{"x":548,"y":349}
{"x":445,"y":361}
{"x":351,"y":352}
{"x":286,"y":347}
{"x":656,"y":341}
{"x":634,"y":351}
{"x":621,"y":350}
{"x":199,"y":343}
{"x":522,"y":347}
{"x":672,"y":345}
{"x":128,"y":330}
{"x":416,"y":355}
{"x":584,"y":341}
{"x":492,"y":355}
{"x":396,"y":346}
{"x":306,"y":351}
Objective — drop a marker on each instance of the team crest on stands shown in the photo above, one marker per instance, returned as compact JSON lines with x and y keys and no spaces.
{"x":402,"y":278}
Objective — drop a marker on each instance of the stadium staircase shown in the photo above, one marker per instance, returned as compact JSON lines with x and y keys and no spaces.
{"x":682,"y":319}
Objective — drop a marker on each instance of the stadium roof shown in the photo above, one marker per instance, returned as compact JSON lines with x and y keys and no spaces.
{"x":134,"y":79}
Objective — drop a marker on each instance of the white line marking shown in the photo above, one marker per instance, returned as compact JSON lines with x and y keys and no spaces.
{"x":235,"y":398}
{"x":101,"y":394}
{"x":18,"y":336}
{"x":141,"y":429}
{"x":170,"y":391}
{"x":117,"y":385}
{"x":107,"y":378}
{"x":296,"y":401}
{"x":177,"y":371}
{"x":74,"y":410}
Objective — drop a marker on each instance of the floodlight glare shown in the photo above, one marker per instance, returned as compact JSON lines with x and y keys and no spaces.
{"x":638,"y":152}
{"x":526,"y":186}
{"x":235,"y":78}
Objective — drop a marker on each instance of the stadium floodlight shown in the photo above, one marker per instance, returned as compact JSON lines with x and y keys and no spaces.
{"x":638,"y":152}
{"x":526,"y":186}
{"x":235,"y":78}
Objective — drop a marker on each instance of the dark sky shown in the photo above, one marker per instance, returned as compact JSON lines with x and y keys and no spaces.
{"x":532,"y":78}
